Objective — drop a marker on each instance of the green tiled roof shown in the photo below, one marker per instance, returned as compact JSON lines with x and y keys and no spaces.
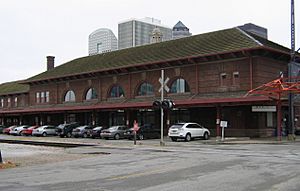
{"x":13,"y":88}
{"x":204,"y":44}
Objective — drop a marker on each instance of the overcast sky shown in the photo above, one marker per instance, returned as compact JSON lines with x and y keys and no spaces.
{"x":32,"y":29}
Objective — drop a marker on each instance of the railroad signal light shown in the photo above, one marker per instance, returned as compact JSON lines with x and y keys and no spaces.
{"x":166,"y":104}
{"x":156,"y":104}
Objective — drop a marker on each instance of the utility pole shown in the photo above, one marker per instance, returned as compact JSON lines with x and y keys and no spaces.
{"x":291,"y":96}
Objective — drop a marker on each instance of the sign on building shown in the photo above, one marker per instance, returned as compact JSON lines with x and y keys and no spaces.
{"x":264,"y":108}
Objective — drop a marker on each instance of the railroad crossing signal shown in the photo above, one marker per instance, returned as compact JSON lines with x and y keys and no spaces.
{"x":164,"y":85}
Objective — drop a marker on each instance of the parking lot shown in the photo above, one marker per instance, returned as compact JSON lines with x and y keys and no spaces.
{"x":119,"y":165}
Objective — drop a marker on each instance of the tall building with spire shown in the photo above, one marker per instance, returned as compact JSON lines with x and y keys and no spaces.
{"x":180,"y":31}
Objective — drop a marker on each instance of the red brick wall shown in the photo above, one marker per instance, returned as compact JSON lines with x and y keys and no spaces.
{"x":209,"y":79}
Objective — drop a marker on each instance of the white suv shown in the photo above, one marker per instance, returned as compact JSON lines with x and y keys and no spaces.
{"x":188,"y":131}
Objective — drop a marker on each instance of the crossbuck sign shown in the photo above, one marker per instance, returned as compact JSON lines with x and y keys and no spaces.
{"x":164,"y":84}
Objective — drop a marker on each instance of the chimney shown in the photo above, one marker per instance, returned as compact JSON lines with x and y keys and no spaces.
{"x":50,"y":62}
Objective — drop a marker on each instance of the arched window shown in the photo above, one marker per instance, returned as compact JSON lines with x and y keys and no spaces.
{"x":179,"y":86}
{"x":91,"y":94}
{"x":70,"y":96}
{"x":116,"y":91}
{"x":145,"y":89}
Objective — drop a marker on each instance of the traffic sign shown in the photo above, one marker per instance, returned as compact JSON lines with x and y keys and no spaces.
{"x":164,"y":85}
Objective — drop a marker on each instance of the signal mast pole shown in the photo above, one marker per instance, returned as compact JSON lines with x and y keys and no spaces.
{"x":291,"y":96}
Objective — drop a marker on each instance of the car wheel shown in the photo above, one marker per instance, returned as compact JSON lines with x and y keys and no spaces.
{"x":188,"y":137}
{"x":117,"y":137}
{"x":69,"y":135}
{"x":20,"y":133}
{"x":84,"y":135}
{"x":173,"y":139}
{"x":141,"y":137}
{"x":206,"y":136}
{"x":61,"y":136}
{"x":44,"y":134}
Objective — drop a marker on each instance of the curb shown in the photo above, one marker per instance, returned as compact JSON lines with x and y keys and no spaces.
{"x":45,"y":143}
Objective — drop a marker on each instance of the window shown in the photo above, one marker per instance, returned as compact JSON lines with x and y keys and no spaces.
{"x":145,"y":89}
{"x":223,"y":79}
{"x":16,"y":102}
{"x":47,"y":97}
{"x":42,"y":97}
{"x":8,"y":102}
{"x":116,"y":91}
{"x":2,"y":102}
{"x":91,"y":94}
{"x":235,"y":79}
{"x":179,"y":86}
{"x":37,"y":97}
{"x":70,"y":96}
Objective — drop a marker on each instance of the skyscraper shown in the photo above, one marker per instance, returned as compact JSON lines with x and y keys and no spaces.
{"x":137,"y":32}
{"x":101,"y":41}
{"x":180,"y":31}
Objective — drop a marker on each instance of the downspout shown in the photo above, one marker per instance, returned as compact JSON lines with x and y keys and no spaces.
{"x":251,"y":72}
{"x":197,"y":79}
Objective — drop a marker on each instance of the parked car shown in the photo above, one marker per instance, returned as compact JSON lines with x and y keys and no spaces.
{"x":1,"y":129}
{"x":44,"y":131}
{"x":18,"y":130}
{"x":8,"y":129}
{"x":83,"y":131}
{"x":65,"y":130}
{"x":147,"y":131}
{"x":115,"y":132}
{"x":97,"y":131}
{"x":28,"y":131}
{"x":188,"y":131}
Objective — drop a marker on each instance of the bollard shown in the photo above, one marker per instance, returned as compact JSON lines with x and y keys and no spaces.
{"x":1,"y":161}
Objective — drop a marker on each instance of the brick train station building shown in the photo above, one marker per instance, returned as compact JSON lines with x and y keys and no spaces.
{"x":209,"y":76}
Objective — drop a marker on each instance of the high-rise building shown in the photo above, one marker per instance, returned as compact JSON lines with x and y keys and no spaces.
{"x":137,"y":32}
{"x":101,"y":41}
{"x":180,"y":31}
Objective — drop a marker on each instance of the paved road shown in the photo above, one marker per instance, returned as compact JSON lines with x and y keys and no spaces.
{"x":146,"y":168}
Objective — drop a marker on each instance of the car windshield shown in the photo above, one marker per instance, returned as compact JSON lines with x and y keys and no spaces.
{"x":61,"y":126}
{"x":81,"y":127}
{"x":97,"y":128}
{"x":113,"y":128}
{"x":176,"y":126}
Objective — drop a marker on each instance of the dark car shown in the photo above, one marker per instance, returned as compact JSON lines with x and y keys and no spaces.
{"x":97,"y":131}
{"x":147,"y":131}
{"x":82,"y":131}
{"x":65,"y":130}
